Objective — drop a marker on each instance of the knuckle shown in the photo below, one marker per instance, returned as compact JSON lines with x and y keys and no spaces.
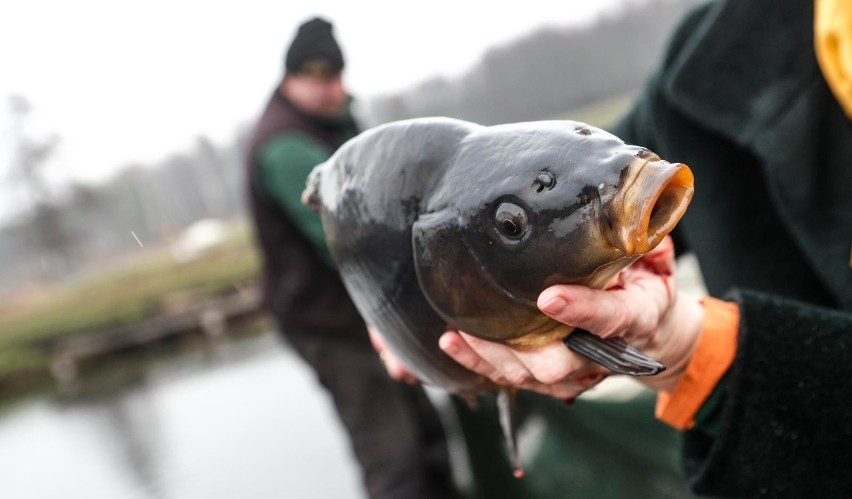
{"x":518,"y":376}
{"x":586,"y":316}
{"x":476,"y":365}
{"x":617,"y":322}
{"x":645,"y":326}
{"x":554,"y":372}
{"x":550,"y":376}
{"x":563,"y":391}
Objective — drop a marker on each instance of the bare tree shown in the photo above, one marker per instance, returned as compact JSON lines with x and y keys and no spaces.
{"x":548,"y":73}
{"x":28,"y":171}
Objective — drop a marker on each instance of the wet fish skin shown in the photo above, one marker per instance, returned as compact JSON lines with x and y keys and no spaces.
{"x":369,"y":195}
{"x":436,"y":222}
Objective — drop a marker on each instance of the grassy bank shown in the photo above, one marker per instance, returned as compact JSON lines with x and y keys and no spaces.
{"x":119,"y":295}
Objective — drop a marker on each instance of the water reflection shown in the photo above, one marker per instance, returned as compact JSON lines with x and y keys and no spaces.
{"x":246,"y":421}
{"x":131,"y":426}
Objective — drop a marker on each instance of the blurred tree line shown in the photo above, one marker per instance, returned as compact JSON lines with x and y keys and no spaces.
{"x":547,"y":73}
{"x":82,"y":226}
{"x":541,"y":76}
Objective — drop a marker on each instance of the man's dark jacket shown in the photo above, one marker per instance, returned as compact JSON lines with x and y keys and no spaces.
{"x":299,"y":288}
{"x":740,"y":99}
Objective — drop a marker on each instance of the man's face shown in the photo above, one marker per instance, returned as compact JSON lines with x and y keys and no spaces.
{"x":320,"y":95}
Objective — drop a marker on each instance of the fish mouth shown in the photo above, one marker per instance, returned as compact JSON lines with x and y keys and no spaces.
{"x":653,"y":197}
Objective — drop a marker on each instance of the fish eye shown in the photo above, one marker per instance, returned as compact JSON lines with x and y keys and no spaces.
{"x":510,"y":220}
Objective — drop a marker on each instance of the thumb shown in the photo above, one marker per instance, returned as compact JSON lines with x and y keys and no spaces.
{"x":595,"y":310}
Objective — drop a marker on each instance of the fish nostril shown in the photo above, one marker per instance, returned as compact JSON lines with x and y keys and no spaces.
{"x":544,"y":181}
{"x":646,"y":154}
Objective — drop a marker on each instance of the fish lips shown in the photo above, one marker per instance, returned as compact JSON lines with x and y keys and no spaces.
{"x":652,"y":197}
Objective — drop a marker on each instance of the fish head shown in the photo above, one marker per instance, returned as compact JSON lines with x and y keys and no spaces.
{"x":529,"y":205}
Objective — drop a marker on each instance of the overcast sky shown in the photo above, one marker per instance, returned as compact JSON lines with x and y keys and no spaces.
{"x":133,"y":82}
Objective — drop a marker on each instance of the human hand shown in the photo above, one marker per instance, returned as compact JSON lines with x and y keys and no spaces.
{"x":644,"y":307}
{"x":393,"y":365}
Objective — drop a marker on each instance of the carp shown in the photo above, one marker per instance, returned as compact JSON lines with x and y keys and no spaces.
{"x":437,"y":223}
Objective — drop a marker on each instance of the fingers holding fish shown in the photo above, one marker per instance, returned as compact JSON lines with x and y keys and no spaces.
{"x":633,"y":308}
{"x":573,"y":387}
{"x":395,"y":368}
{"x":633,"y":312}
{"x":457,"y":347}
{"x":551,"y":369}
{"x":552,"y":363}
{"x":645,"y":309}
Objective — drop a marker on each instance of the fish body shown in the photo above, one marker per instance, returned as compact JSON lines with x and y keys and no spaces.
{"x":438,"y":223}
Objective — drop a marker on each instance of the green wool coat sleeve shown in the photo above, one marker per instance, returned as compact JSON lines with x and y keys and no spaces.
{"x":284,"y":164}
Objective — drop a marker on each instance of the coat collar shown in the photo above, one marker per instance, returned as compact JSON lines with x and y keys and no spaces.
{"x":714,"y":78}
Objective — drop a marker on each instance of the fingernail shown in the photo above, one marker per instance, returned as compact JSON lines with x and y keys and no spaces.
{"x":569,"y":401}
{"x":550,"y":302}
{"x":447,"y":344}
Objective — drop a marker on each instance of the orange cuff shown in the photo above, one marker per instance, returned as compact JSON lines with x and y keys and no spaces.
{"x":713,"y":355}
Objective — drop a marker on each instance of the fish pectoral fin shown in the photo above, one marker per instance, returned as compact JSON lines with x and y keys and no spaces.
{"x":615,"y":354}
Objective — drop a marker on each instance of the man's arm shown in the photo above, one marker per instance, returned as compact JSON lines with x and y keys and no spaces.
{"x":283,"y":166}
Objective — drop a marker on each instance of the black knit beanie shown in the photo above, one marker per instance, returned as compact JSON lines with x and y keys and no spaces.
{"x":314,"y":49}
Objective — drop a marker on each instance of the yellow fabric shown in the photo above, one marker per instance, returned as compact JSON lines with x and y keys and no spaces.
{"x":833,"y":45}
{"x":713,"y":355}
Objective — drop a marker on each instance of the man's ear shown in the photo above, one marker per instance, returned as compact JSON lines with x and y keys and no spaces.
{"x":457,"y":285}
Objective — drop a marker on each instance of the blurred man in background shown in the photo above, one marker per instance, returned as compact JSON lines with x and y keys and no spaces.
{"x":395,"y":432}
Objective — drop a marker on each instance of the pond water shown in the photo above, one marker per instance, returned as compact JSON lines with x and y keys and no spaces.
{"x":245,"y":419}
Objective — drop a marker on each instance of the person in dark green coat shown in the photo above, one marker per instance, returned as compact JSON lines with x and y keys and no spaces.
{"x":396,"y":434}
{"x":759,"y":377}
